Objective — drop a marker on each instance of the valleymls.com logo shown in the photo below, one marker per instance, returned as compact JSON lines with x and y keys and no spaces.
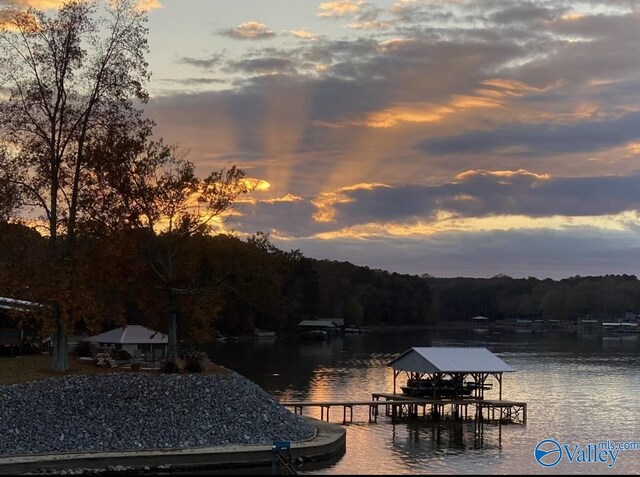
{"x":549,"y":452}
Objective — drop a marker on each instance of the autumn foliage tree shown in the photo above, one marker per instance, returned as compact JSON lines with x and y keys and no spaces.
{"x":71,"y":76}
{"x":149,"y":186}
{"x":182,"y":206}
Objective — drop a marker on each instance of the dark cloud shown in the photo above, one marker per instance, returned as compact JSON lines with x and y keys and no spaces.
{"x":244,"y":109}
{"x":474,"y":194}
{"x":262,"y":65}
{"x":599,"y":26}
{"x":417,"y":12}
{"x":544,"y":253}
{"x":288,"y":217}
{"x":526,"y":12}
{"x":481,"y":194}
{"x":540,"y":139}
{"x":203,"y":63}
{"x":584,"y":49}
{"x":193,"y":81}
{"x":329,"y":52}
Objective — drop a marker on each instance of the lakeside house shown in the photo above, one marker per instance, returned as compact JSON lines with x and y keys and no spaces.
{"x":137,"y":340}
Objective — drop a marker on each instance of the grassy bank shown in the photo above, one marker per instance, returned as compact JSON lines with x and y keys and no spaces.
{"x":22,"y":369}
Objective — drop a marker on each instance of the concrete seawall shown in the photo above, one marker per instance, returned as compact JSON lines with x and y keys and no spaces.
{"x":329,"y":441}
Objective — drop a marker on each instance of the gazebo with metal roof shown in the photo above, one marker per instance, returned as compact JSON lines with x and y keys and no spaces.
{"x":456,"y":363}
{"x":135,"y":339}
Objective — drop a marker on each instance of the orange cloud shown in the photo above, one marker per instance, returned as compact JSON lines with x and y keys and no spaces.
{"x":446,"y":222}
{"x":492,"y":94}
{"x":572,"y":17}
{"x":327,"y":200}
{"x":634,"y":147}
{"x":251,"y":31}
{"x":39,"y":4}
{"x":286,"y":198}
{"x":373,"y":25}
{"x":389,"y":45}
{"x":517,"y":88}
{"x":339,"y":9}
{"x":519,"y":172}
{"x":54,"y":4}
{"x":417,"y":113}
{"x":16,"y":20}
{"x":302,"y":34}
{"x":426,"y":112}
{"x":147,"y":5}
{"x":258,"y":185}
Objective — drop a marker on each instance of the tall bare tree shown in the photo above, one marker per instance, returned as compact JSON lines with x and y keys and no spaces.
{"x":66,"y":77}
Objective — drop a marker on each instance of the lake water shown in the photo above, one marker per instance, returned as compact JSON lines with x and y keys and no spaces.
{"x":579,"y":390}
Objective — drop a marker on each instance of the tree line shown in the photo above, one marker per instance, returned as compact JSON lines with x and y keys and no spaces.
{"x":222,"y":284}
{"x":608,"y":297}
{"x":233,"y":286}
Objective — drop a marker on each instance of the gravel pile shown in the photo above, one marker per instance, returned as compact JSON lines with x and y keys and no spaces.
{"x":128,"y":411}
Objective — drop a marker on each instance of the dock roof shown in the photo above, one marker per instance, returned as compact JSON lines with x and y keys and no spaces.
{"x":318,"y":323}
{"x":21,"y":305}
{"x":131,"y":334}
{"x":450,"y":360}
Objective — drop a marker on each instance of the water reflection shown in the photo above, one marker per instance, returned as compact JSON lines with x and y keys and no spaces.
{"x":578,"y":389}
{"x":445,"y":434}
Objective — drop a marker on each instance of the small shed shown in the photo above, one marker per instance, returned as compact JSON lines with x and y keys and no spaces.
{"x":435,"y":364}
{"x":136,"y":340}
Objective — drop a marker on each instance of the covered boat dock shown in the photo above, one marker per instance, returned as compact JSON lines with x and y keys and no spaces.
{"x":445,"y":372}
{"x":440,"y":382}
{"x":453,"y":377}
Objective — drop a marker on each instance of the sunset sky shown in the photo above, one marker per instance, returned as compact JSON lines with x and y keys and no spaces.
{"x":449,"y":137}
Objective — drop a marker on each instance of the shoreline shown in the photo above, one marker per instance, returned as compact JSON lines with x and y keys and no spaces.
{"x":329,"y":441}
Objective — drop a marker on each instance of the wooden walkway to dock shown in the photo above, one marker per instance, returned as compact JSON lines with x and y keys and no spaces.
{"x":398,"y":405}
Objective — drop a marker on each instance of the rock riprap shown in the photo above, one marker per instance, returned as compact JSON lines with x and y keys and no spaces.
{"x":128,"y":411}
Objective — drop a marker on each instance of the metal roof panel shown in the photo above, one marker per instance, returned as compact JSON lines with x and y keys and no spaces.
{"x":450,"y":360}
{"x":131,"y":334}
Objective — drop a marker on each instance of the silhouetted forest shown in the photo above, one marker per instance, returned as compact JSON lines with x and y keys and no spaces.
{"x":219,"y":284}
{"x":607,"y":297}
{"x":233,"y":286}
